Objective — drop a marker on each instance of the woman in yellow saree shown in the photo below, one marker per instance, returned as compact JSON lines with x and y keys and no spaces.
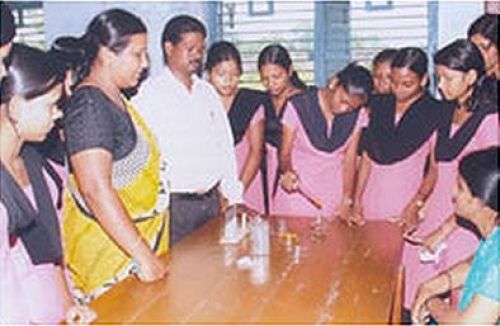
{"x":115,"y":219}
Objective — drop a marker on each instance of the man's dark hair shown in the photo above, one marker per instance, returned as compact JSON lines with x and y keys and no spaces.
{"x":177,"y":26}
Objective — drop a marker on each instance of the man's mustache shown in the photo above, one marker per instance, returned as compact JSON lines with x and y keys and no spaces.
{"x":198,"y":62}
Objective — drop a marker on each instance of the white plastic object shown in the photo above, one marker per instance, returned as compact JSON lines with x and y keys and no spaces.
{"x":427,"y":256}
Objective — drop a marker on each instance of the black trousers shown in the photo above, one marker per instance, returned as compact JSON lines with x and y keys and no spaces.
{"x":190,"y":211}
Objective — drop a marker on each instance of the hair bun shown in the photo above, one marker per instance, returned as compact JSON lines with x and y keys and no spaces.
{"x":69,"y":49}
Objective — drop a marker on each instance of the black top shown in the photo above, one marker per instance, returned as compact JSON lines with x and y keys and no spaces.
{"x":242,"y":110}
{"x":38,"y":228}
{"x":388,"y":143}
{"x":92,"y":120}
{"x":273,"y":125}
{"x":448,"y":148}
{"x":315,"y":125}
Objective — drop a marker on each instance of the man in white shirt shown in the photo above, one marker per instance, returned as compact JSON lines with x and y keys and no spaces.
{"x":189,"y":121}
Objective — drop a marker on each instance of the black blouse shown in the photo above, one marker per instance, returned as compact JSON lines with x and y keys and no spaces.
{"x":315,"y":125}
{"x":387,"y":142}
{"x":92,"y":120}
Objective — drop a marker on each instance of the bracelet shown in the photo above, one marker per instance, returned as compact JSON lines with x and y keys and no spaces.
{"x":347,"y":200}
{"x":420,"y":203}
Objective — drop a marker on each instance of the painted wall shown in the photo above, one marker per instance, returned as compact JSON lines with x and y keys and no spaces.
{"x":454,"y":19}
{"x":71,"y":18}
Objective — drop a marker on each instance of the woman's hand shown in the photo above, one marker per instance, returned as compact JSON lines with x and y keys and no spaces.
{"x":223,"y":203}
{"x":409,"y":218}
{"x":419,"y":310}
{"x":437,"y":308}
{"x":430,"y":242}
{"x":357,"y":216}
{"x":289,"y":181}
{"x":433,"y":239}
{"x":80,"y":314}
{"x":152,"y":269}
{"x":344,"y":211}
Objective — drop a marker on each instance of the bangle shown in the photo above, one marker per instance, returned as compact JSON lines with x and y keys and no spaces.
{"x":347,"y":200}
{"x":420,"y":203}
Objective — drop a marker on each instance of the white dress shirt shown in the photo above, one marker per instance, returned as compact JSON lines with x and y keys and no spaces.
{"x":193,"y":133}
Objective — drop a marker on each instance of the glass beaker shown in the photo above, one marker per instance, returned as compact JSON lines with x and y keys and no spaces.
{"x":260,"y":237}
{"x":229,"y":225}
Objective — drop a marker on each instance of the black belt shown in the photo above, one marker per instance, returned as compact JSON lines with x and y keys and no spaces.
{"x":195,"y":195}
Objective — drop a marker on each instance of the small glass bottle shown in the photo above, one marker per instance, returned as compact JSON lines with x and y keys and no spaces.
{"x":260,"y":237}
{"x":229,"y":227}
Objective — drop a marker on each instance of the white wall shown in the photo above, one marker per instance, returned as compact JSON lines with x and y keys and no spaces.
{"x":71,"y":18}
{"x":455,"y":18}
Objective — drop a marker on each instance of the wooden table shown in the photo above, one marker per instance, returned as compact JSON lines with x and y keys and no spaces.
{"x":347,"y":277}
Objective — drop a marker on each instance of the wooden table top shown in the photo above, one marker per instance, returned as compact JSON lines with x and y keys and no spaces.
{"x":348,"y":276}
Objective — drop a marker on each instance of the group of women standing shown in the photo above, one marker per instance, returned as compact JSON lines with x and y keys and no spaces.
{"x":289,"y":132}
{"x":363,"y":148}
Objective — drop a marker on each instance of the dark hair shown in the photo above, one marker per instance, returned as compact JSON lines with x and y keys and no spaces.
{"x":412,"y":58}
{"x":8,"y":26}
{"x":278,"y":55}
{"x":356,"y":80}
{"x":223,"y":51}
{"x":69,"y":54}
{"x":177,"y":26}
{"x":487,"y":26}
{"x":111,"y":29}
{"x":386,"y":55}
{"x":32,"y":73}
{"x":480,"y":172}
{"x":463,"y":55}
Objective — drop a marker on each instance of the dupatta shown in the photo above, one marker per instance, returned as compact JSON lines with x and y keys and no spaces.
{"x":387,"y":143}
{"x":37,"y":228}
{"x":315,"y":125}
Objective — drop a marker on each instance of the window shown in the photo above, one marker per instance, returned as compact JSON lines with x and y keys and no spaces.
{"x":30,"y":24}
{"x":288,"y":23}
{"x":406,"y":24}
{"x":323,"y":36}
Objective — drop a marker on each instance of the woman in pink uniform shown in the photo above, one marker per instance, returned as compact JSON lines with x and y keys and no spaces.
{"x":33,"y":288}
{"x":245,"y":109}
{"x":469,"y":125}
{"x":281,"y":82}
{"x":68,"y":56}
{"x":321,"y":131}
{"x":393,"y":182}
